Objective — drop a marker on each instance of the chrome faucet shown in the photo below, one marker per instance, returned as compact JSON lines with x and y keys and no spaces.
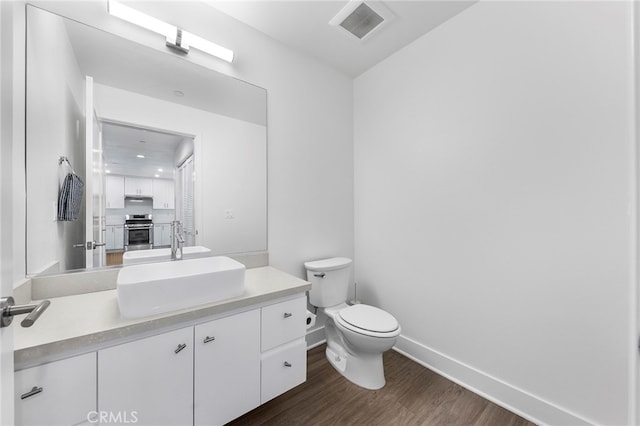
{"x":8,"y":309}
{"x":177,"y":240}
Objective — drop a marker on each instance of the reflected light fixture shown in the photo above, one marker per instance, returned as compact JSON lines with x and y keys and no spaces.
{"x":176,"y":38}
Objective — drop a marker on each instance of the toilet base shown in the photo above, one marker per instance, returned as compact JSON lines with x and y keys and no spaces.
{"x":365,"y":370}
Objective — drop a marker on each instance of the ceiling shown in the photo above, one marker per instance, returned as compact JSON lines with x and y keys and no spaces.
{"x":304,"y":26}
{"x":123,"y":144}
{"x":117,"y":62}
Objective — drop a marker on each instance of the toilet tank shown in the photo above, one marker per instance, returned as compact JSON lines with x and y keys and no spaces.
{"x":329,"y":280}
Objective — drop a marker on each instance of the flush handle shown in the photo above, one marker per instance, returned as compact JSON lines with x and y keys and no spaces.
{"x":180,"y":347}
{"x":287,"y":364}
{"x":320,"y":275}
{"x":34,"y":391}
{"x":288,"y":314}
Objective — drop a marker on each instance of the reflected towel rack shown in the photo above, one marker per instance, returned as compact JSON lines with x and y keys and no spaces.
{"x":64,"y":159}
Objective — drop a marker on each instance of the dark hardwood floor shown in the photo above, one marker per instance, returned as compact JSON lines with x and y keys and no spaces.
{"x":413,"y":395}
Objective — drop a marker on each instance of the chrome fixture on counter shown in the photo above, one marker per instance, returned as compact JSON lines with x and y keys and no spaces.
{"x":9,"y":309}
{"x":138,"y":232}
{"x":177,"y":240}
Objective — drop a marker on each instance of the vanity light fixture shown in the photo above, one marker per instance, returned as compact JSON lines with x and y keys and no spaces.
{"x":176,"y":38}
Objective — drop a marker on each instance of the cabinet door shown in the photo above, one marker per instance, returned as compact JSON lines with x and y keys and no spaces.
{"x":131,"y":186}
{"x":283,"y":368}
{"x":118,"y":237}
{"x":163,"y":194}
{"x":283,"y":322}
{"x":110,"y":237}
{"x":138,"y":186}
{"x":227,"y":365}
{"x":146,"y":187}
{"x":157,"y":235}
{"x":114,"y":189}
{"x":150,"y":379}
{"x":59,"y":393}
{"x":166,"y":234}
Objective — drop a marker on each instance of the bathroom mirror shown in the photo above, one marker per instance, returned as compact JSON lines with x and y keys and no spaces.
{"x":86,"y":87}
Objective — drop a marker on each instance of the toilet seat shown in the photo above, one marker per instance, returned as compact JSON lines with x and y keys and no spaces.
{"x":368,"y":320}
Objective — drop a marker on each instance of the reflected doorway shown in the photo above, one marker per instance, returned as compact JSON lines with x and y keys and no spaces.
{"x":149,"y":182}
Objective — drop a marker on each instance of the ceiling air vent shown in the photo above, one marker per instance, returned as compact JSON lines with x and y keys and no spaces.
{"x":360,"y":19}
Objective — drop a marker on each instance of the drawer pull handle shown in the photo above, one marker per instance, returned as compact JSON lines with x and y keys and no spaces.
{"x":36,"y":390}
{"x":288,"y":314}
{"x":180,"y":347}
{"x":209,"y":339}
{"x":287,"y":364}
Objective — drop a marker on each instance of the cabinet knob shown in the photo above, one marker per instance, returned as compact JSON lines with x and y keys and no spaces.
{"x":208,"y":339}
{"x":34,"y":391}
{"x":287,"y":364}
{"x":180,"y":347}
{"x":288,"y":314}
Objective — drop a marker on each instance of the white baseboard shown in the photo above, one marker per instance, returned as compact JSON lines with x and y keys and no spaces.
{"x":516,"y":400}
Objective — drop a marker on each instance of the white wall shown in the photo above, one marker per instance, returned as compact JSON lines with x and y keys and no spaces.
{"x":493,"y":199}
{"x":7,"y":132}
{"x":55,"y":111}
{"x":310,"y":123}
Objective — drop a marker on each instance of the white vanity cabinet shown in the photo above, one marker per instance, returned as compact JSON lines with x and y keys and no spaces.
{"x":163,"y":194}
{"x":227,"y":368}
{"x":135,"y":186}
{"x":207,"y":373}
{"x":150,"y":379}
{"x":114,"y":192}
{"x":284,"y":349}
{"x":59,"y":393}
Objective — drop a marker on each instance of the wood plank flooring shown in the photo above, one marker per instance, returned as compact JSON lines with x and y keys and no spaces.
{"x":413,"y":395}
{"x":114,"y":258}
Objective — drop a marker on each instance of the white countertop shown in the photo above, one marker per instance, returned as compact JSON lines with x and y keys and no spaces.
{"x":85,"y":322}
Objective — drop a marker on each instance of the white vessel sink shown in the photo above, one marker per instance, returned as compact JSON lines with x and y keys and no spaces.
{"x":155,"y":288}
{"x":158,"y":255}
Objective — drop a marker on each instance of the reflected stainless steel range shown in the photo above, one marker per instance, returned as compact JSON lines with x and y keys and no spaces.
{"x":138,"y":232}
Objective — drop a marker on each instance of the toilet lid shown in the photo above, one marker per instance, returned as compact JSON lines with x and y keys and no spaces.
{"x":369,"y":318}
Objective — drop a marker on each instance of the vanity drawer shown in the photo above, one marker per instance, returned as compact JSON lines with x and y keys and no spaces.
{"x":283,"y":368}
{"x":283,"y":322}
{"x":58,"y":393}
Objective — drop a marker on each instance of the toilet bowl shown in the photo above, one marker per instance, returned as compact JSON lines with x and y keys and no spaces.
{"x":357,"y":335}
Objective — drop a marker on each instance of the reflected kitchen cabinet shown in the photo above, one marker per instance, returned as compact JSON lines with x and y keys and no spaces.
{"x":115,"y":192}
{"x":163,"y":194}
{"x":161,"y":235}
{"x":138,"y":187}
{"x":114,"y":237}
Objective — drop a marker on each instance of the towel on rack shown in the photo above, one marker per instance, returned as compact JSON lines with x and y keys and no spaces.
{"x":70,"y":197}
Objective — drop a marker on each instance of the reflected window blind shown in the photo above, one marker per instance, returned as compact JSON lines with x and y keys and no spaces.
{"x":186,"y":176}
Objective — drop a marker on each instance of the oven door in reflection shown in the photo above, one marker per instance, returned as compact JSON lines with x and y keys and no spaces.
{"x":138,"y":238}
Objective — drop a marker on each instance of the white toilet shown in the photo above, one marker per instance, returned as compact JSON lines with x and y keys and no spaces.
{"x":356,"y":335}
